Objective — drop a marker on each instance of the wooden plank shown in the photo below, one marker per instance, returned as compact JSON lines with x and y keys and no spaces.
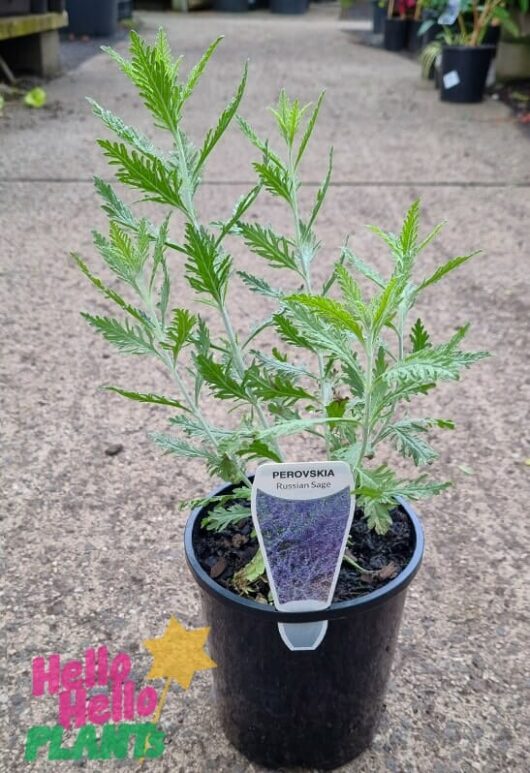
{"x":32,"y":24}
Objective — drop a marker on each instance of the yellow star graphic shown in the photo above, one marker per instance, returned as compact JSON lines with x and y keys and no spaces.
{"x":179,"y":653}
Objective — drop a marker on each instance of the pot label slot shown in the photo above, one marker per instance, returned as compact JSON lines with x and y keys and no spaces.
{"x":302,"y":513}
{"x":451,"y":79}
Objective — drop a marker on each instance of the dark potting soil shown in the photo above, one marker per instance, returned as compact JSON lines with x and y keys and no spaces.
{"x":223,"y":553}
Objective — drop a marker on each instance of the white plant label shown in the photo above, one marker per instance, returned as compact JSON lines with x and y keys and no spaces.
{"x":302,"y":513}
{"x":451,"y":79}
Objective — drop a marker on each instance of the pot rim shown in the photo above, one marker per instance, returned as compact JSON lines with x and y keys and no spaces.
{"x":482,"y":47}
{"x":334,"y":611}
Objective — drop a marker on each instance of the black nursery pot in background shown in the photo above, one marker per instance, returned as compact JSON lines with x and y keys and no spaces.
{"x":395,"y":34}
{"x":289,"y":6}
{"x":231,"y":6}
{"x":315,"y":709}
{"x":431,"y":34}
{"x":464,"y":72}
{"x":379,"y":16}
{"x":414,"y":41}
{"x":92,"y":17}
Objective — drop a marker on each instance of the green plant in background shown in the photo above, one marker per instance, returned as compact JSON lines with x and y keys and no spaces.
{"x":35,"y":97}
{"x":346,"y":368}
{"x":471,"y":21}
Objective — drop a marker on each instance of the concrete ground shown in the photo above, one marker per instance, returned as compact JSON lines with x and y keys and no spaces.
{"x":94,"y":542}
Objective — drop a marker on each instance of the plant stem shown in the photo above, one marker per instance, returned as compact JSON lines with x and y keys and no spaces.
{"x":241,"y":369}
{"x":305,"y":269}
{"x":236,"y":350}
{"x":165,"y":357}
{"x":352,"y":562}
{"x":366,"y":421}
{"x":187,"y":193}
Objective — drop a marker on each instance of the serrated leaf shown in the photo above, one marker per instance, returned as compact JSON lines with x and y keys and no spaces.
{"x":109,"y":293}
{"x":377,"y":515}
{"x":142,"y":397}
{"x":214,"y":135}
{"x":122,"y":130}
{"x":198,"y":70}
{"x":431,"y":236}
{"x":384,"y":305}
{"x":178,"y":447}
{"x":223,"y":516}
{"x":329,"y":310}
{"x":293,"y":426}
{"x":218,"y":377}
{"x":275,"y":179}
{"x":419,"y":337}
{"x":277,"y":387}
{"x":178,"y":332}
{"x":434,"y":363}
{"x":259,"y":450}
{"x":262,"y":146}
{"x":408,"y":237}
{"x":154,"y":77}
{"x":288,"y":115}
{"x":321,"y":193}
{"x":309,"y":129}
{"x":242,"y":205}
{"x":146,"y":173}
{"x":125,"y":257}
{"x":258,"y":285}
{"x":364,"y":268}
{"x":127,"y":338}
{"x":390,"y":239}
{"x":289,"y":333}
{"x":115,"y":208}
{"x":280,"y":365}
{"x":207,"y":267}
{"x":406,"y":436}
{"x":264,"y":242}
{"x":441,"y":271}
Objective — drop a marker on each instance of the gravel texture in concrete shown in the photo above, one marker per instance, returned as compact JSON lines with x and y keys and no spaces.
{"x":93,"y":540}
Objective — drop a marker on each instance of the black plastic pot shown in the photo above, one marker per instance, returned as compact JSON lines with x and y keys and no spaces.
{"x":431,"y":34}
{"x":289,"y":6}
{"x":125,"y":9}
{"x":39,"y":6}
{"x":471,"y":65}
{"x":315,"y":709}
{"x":395,"y":34}
{"x":414,"y":41}
{"x":379,"y":16}
{"x":98,"y":18}
{"x":231,"y":6}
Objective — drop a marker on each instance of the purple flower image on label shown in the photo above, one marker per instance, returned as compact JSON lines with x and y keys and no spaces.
{"x":303,"y":541}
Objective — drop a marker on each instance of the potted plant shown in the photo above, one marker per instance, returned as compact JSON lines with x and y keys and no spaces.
{"x":430,"y":29}
{"x":466,"y":58}
{"x":337,"y":369}
{"x":396,"y":24}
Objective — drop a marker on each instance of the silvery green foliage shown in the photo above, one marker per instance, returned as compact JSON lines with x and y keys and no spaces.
{"x":365,"y":359}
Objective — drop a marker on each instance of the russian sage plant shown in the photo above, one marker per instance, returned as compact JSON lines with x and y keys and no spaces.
{"x":345,"y":368}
